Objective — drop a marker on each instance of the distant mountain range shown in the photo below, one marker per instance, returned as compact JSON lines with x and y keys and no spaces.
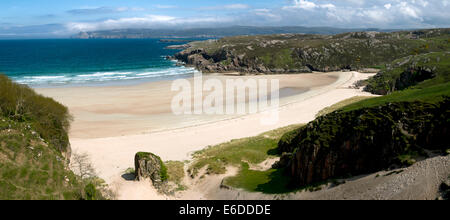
{"x":211,"y":32}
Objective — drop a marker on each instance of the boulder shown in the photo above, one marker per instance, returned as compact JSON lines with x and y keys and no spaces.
{"x":150,"y":166}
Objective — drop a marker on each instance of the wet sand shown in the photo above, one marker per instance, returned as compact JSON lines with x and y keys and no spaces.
{"x":101,"y":112}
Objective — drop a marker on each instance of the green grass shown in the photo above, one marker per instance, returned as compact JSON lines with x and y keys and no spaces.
{"x":33,"y":140}
{"x":273,"y":181}
{"x":389,"y":78}
{"x":175,"y":171}
{"x":432,"y":90}
{"x":176,"y":174}
{"x":252,"y":150}
{"x":430,"y":94}
{"x":30,"y":168}
{"x":282,"y":58}
{"x":129,"y":170}
{"x":341,"y":104}
{"x":48,"y":117}
{"x":270,"y":182}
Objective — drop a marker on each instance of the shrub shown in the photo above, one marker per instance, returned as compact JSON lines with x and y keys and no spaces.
{"x":91,"y":192}
{"x":50,"y":119}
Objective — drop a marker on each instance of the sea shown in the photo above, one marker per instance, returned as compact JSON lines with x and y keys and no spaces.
{"x":94,"y":62}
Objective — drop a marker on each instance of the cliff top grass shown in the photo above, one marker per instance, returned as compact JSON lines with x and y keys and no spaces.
{"x":341,"y":104}
{"x":33,"y":140}
{"x":50,"y":119}
{"x":254,"y":150}
{"x":30,"y":168}
{"x":432,"y":94}
{"x":388,"y":79}
{"x":431,"y":90}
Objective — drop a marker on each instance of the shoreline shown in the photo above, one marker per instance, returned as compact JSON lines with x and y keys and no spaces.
{"x":111,"y":83}
{"x":95,"y":107}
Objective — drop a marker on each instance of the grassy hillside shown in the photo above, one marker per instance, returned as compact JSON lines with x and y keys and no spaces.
{"x":50,"y":119}
{"x":252,"y":150}
{"x":410,"y":71}
{"x":423,"y":77}
{"x":30,"y":167}
{"x":34,"y":148}
{"x":305,"y":53}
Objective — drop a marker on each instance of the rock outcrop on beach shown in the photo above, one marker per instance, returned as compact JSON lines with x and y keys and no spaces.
{"x":302,"y":53}
{"x":150,"y":166}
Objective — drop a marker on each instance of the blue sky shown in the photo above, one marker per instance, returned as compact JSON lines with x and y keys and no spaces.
{"x":63,"y":17}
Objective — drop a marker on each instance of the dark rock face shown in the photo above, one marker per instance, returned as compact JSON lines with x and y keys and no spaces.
{"x":413,"y":76}
{"x":410,"y":71}
{"x":226,"y":61}
{"x":445,"y":190}
{"x":410,"y":77}
{"x":364,"y":141}
{"x":150,"y":166}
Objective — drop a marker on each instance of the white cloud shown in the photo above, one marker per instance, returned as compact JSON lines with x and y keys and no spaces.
{"x":103,"y":10}
{"x":344,"y":13}
{"x":336,"y":13}
{"x":373,"y":13}
{"x":148,"y":21}
{"x":409,"y":10}
{"x":308,"y":5}
{"x":264,"y":12}
{"x":302,"y":4}
{"x":165,"y":6}
{"x":226,"y":7}
{"x":236,"y":6}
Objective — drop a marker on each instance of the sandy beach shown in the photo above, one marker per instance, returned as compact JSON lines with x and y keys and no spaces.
{"x":112,"y":123}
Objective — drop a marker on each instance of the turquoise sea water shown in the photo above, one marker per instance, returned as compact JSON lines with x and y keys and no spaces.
{"x":87,"y":62}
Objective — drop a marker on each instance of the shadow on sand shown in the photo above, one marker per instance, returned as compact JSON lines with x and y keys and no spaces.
{"x":129,"y":176}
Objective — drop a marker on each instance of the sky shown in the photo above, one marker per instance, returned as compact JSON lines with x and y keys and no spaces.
{"x":65,"y":18}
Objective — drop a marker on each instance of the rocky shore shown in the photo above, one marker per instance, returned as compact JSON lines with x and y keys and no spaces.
{"x":300,"y":53}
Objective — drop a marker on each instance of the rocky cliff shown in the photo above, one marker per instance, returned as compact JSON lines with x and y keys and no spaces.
{"x":410,"y":71}
{"x":365,"y":140}
{"x":298,"y":53}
